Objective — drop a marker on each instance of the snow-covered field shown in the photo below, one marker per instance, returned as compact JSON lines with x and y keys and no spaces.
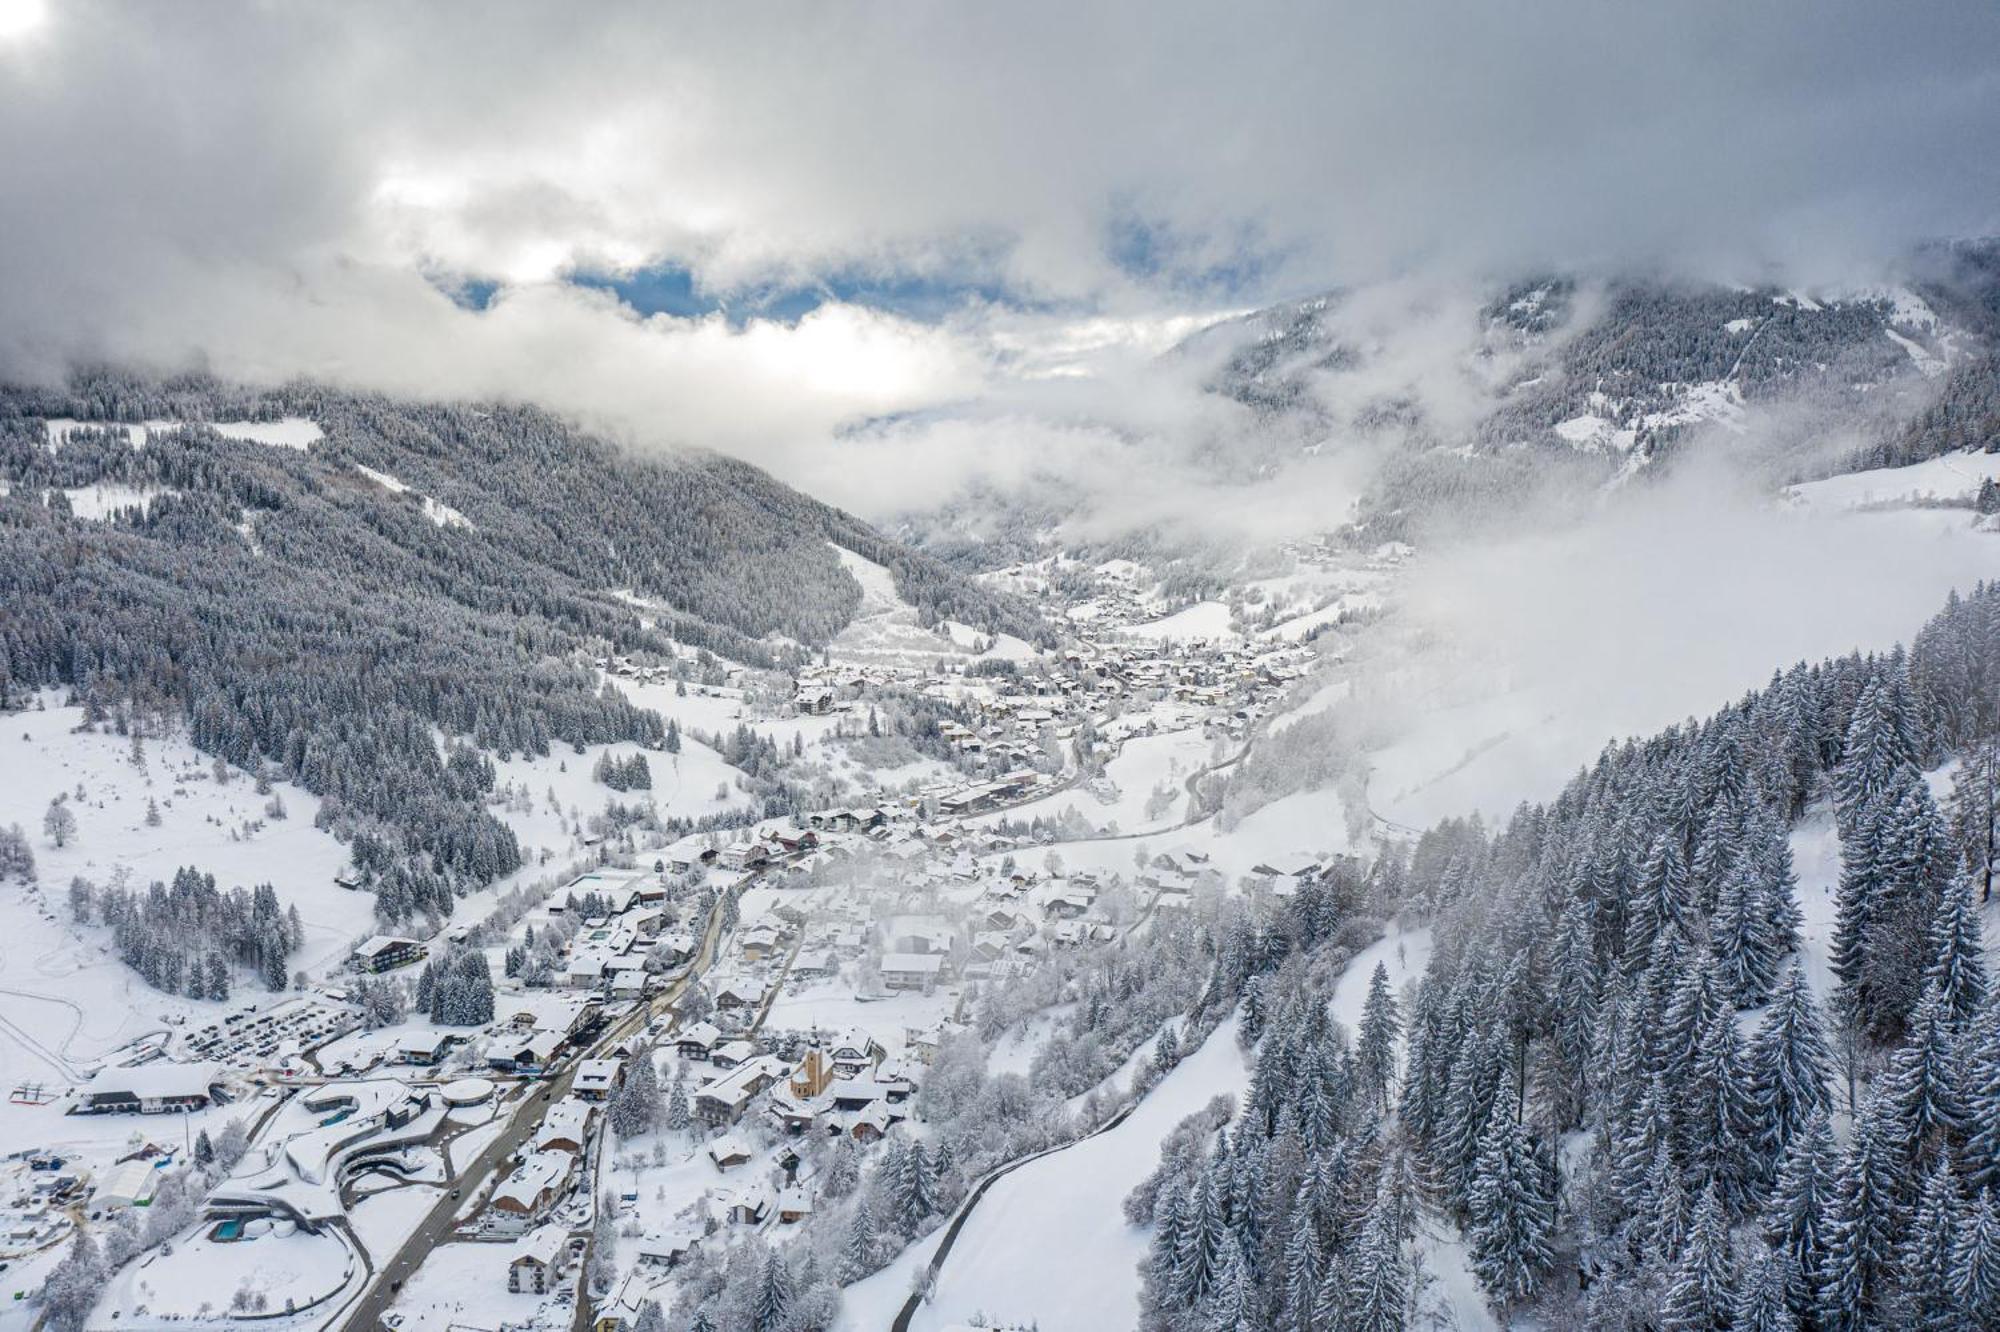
{"x":436,"y":510}
{"x":885,"y":628}
{"x":1148,"y":773}
{"x":65,"y":999}
{"x":465,"y":1286}
{"x":102,"y":501}
{"x":290,"y":432}
{"x":1953,"y":476}
{"x":1061,"y":1217}
{"x":1208,"y":620}
{"x":202,"y":1276}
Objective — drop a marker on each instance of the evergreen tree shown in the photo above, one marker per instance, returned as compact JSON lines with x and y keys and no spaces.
{"x":1719,"y":1121}
{"x":1198,"y":1247}
{"x":1381,"y":1025}
{"x":1763,"y":1295}
{"x":1790,"y":1070}
{"x":1976,"y":1264}
{"x":1798,"y":1217}
{"x":1747,"y":950}
{"x":774,"y":1293}
{"x":1662,"y":899}
{"x":1379,"y":1276}
{"x":1928,"y":1256}
{"x":1876,"y":745}
{"x":1979,"y":1098}
{"x":677,"y":1119}
{"x":636,"y":1107}
{"x":1957,"y":956}
{"x":1304,"y":1269}
{"x":858,"y":1254}
{"x":1863,"y":1222}
{"x":1512,"y":1206}
{"x":1699,"y":1297}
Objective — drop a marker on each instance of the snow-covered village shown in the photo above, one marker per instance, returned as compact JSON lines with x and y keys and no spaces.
{"x":1030,"y":668}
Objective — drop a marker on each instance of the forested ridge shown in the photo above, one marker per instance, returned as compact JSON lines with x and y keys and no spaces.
{"x":304,"y":617}
{"x":1621,"y":1085}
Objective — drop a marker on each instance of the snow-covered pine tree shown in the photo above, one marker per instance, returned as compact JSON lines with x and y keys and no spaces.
{"x":636,"y":1107}
{"x":1763,"y":1294}
{"x":1699,"y":1298}
{"x":1926,"y":1260}
{"x":1791,"y":1070}
{"x":1795,"y":1219}
{"x":1718,"y":1124}
{"x":1863,"y":1221}
{"x":677,"y":1117}
{"x":1957,"y":953}
{"x":1375,"y":1048}
{"x":773,"y":1299}
{"x":1512,"y":1205}
{"x":1976,"y":1264}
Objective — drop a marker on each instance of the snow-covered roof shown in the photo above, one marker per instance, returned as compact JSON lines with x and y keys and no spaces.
{"x":544,"y":1245}
{"x":567,"y":1121}
{"x":159,"y":1079}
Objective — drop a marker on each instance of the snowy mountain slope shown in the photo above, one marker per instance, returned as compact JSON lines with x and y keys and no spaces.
{"x":66,"y":1000}
{"x":449,"y":563}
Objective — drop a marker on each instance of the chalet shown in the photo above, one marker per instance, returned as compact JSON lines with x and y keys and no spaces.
{"x":924,"y":1044}
{"x":668,"y":1250}
{"x":724,"y":1100}
{"x":537,"y":1267}
{"x":854,"y":1053}
{"x":150,"y":1089}
{"x":746,"y":856}
{"x":815,"y":700}
{"x":759,"y":942}
{"x":671,"y":1249}
{"x":732,"y":1054}
{"x":911,"y":971}
{"x":524,"y":1054}
{"x":565,"y":1128}
{"x":741,"y":993}
{"x":869,"y":1124}
{"x":815,"y":963}
{"x":425,"y":1048}
{"x":597,"y":1079}
{"x":525,"y":1196}
{"x":729,"y":1152}
{"x":697,"y":1041}
{"x":678,"y":946}
{"x":1076,"y":933}
{"x":749,"y":1205}
{"x":387,"y":952}
{"x":794,"y":1205}
{"x":796,"y":843}
{"x":1066,"y":905}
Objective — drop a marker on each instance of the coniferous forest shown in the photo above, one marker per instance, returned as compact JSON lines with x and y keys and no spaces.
{"x":303,"y":618}
{"x":1624,"y":1083}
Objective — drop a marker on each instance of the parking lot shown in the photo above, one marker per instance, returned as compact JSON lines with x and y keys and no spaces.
{"x":251,"y":1038}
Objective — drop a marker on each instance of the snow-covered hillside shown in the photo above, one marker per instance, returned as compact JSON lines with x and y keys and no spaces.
{"x":66,"y":1000}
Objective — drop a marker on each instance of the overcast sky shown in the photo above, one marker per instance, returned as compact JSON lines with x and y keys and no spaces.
{"x":751,"y":227}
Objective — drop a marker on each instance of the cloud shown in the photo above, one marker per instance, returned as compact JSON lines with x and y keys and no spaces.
{"x":1521,"y":656}
{"x":271,"y":191}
